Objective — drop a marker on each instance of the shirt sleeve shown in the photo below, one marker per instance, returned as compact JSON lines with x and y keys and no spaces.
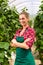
{"x":32,"y":38}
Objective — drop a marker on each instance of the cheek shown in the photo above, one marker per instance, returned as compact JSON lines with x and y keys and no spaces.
{"x":22,"y":23}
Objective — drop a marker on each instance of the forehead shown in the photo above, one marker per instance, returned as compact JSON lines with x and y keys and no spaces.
{"x":22,"y":16}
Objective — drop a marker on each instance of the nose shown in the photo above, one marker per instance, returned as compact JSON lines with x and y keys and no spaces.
{"x":21,"y":20}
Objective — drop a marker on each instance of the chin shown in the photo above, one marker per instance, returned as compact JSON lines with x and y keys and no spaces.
{"x":23,"y":24}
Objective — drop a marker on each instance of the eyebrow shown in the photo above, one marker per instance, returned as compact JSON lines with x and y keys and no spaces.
{"x":21,"y":18}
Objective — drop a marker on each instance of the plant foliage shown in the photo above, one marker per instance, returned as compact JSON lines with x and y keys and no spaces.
{"x":8,"y":26}
{"x":39,"y":31}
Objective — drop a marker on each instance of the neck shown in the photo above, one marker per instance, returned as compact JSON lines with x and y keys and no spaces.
{"x":24,"y":27}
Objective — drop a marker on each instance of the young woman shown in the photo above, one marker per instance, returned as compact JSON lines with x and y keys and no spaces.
{"x":23,"y":41}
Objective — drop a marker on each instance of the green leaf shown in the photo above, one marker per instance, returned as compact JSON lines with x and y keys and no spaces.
{"x":41,"y":47}
{"x":38,"y":30}
{"x":1,"y":60}
{"x":41,"y":42}
{"x":2,"y":55}
{"x":38,"y":25}
{"x":4,"y":45}
{"x":0,"y":20}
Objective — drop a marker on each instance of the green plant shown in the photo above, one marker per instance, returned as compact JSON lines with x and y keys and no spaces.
{"x":38,"y":25}
{"x":8,"y":26}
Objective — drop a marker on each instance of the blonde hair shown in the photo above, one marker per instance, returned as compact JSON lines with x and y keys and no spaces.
{"x":25,"y":13}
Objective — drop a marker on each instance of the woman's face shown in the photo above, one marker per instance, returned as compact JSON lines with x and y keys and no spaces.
{"x":23,"y":20}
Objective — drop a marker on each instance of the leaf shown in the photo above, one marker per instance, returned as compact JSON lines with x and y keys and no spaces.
{"x":38,"y":25}
{"x":41,"y":47}
{"x":4,"y":45}
{"x":1,"y":60}
{"x":41,"y":42}
{"x":2,"y":55}
{"x":38,"y":30}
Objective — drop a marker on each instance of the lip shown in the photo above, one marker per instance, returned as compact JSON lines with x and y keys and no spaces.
{"x":23,"y":21}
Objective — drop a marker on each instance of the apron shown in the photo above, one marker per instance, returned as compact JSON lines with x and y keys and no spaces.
{"x":23,"y":56}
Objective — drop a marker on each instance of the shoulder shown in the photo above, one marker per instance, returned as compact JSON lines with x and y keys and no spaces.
{"x":31,"y":30}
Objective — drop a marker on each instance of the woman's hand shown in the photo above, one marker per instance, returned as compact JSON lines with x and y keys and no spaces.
{"x":13,"y":43}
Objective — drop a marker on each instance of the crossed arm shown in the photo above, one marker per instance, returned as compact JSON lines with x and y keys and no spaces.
{"x":14,"y":43}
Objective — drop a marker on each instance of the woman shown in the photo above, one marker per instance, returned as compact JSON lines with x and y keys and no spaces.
{"x":23,"y":41}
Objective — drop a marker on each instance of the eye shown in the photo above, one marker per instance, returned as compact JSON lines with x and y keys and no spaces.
{"x":21,"y":18}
